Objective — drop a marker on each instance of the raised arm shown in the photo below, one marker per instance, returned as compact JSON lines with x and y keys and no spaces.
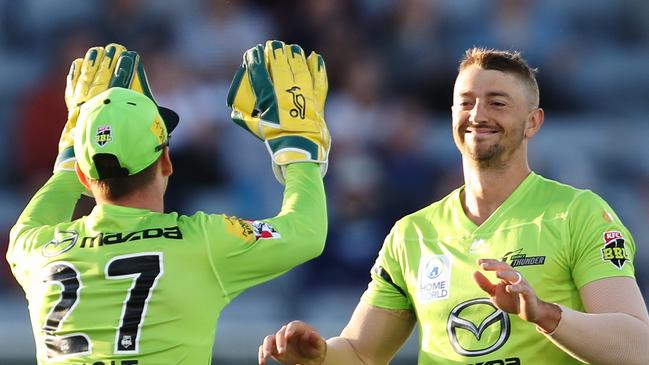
{"x":278,"y":95}
{"x":100,"y":69}
{"x":55,"y":202}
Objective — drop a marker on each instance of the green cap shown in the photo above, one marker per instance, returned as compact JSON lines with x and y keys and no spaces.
{"x":125,"y":126}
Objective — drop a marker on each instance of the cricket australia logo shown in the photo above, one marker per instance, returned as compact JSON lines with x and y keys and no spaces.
{"x":298,"y":101}
{"x":103,"y":135}
{"x":476,"y":327}
{"x":614,"y":250}
{"x":63,"y":242}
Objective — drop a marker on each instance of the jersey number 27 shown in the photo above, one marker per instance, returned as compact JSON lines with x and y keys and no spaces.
{"x":143,"y":268}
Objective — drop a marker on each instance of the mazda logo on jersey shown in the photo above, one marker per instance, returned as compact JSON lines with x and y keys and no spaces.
{"x":62,"y":242}
{"x":476,"y":327}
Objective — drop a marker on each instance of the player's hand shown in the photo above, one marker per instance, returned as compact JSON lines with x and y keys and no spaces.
{"x":278,"y":95}
{"x":295,"y":343}
{"x":513,"y":294}
{"x":100,"y":69}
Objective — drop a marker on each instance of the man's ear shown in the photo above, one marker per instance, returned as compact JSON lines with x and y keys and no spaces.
{"x":82,"y":178}
{"x":165,"y":162}
{"x":534,"y":122}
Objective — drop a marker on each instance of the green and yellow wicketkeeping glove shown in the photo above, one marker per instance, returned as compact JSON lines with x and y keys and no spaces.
{"x":100,"y":69}
{"x":278,"y":95}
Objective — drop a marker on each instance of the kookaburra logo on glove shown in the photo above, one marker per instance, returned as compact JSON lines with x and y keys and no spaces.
{"x":298,"y":101}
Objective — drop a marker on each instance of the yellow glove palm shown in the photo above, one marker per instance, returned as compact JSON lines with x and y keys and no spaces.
{"x":279,"y":95}
{"x":100,"y":69}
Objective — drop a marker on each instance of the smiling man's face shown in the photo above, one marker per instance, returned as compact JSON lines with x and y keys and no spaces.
{"x":490,"y":110}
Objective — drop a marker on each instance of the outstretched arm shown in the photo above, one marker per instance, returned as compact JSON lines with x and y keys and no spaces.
{"x":372,"y":337}
{"x":55,"y":201}
{"x":100,"y":69}
{"x":278,"y":95}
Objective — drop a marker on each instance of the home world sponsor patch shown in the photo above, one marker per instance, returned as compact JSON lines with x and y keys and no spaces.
{"x":434,"y":278}
{"x":614,"y":250}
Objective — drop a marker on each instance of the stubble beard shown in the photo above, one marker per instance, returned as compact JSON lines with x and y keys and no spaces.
{"x":497,"y":155}
{"x":491,"y":158}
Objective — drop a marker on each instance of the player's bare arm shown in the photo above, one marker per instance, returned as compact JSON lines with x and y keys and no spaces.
{"x":372,"y":337}
{"x":611,"y":331}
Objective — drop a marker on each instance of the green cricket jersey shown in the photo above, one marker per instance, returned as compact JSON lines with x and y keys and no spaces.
{"x":559,"y":238}
{"x":125,"y":286}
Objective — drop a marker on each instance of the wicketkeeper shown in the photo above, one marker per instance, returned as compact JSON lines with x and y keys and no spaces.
{"x":129,"y":283}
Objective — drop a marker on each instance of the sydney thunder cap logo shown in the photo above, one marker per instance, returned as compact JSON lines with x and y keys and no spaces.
{"x":103,"y":135}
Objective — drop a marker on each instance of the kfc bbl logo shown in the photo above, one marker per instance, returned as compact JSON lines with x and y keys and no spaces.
{"x":103,"y":135}
{"x":614,"y":250}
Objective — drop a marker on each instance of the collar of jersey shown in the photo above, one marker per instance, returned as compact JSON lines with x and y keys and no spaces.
{"x":511,"y":201}
{"x":110,"y":209}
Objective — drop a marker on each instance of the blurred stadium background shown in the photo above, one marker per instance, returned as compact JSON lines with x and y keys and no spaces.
{"x":391,"y":67}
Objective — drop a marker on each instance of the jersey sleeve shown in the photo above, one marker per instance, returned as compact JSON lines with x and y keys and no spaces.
{"x":52,"y":204}
{"x":245,"y":253}
{"x":601,"y":245}
{"x":387,"y":287}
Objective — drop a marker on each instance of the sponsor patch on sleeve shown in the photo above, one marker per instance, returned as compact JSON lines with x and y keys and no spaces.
{"x":263,"y":230}
{"x":239,"y":228}
{"x":614,"y":250}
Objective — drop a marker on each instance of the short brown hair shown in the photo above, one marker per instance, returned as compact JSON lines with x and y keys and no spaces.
{"x":504,"y":61}
{"x":119,"y":187}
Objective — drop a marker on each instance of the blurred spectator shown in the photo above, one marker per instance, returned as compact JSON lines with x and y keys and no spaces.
{"x":390,"y":65}
{"x":415,"y":53}
{"x":134,"y":24}
{"x":42,"y":110}
{"x":411,"y":173}
{"x":211,"y":38}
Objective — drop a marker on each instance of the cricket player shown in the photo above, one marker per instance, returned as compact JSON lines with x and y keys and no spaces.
{"x":555,"y":279}
{"x":130,"y":284}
